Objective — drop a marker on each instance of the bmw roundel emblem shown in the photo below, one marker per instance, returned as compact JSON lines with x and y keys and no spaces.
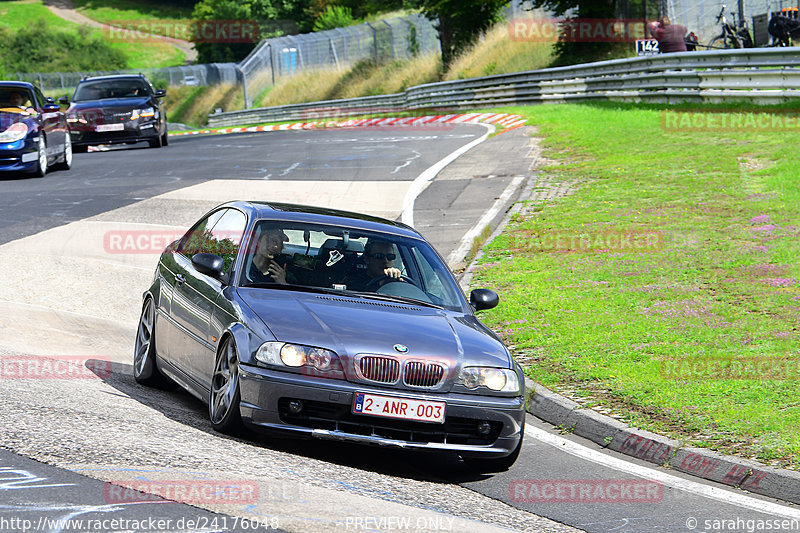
{"x":402,"y":348}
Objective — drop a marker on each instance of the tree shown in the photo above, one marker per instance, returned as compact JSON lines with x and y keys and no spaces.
{"x":218,"y":10}
{"x":579,"y":52}
{"x":460,"y":22}
{"x":273,"y":17}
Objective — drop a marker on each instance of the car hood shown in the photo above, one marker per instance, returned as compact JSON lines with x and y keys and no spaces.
{"x":128,"y":103}
{"x":352,"y":326}
{"x":10,"y":115}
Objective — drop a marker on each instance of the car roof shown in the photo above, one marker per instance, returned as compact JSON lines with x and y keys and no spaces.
{"x":115,"y":77}
{"x":322,"y":215}
{"x":24,"y":84}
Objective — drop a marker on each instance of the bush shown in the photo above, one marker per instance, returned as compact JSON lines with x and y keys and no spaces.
{"x":334,"y":17}
{"x":42,"y":48}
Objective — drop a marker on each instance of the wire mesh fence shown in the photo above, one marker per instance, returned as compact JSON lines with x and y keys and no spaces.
{"x":384,"y":40}
{"x":700,"y":16}
{"x":207,"y":74}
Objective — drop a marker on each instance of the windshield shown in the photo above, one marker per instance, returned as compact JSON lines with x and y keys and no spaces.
{"x":13,"y":97}
{"x":332,"y":258}
{"x":99,"y":90}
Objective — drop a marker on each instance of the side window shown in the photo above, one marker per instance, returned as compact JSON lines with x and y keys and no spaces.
{"x":192,"y":241}
{"x":400,"y":261}
{"x":39,"y":96}
{"x":225,"y":237}
{"x":430,"y":280}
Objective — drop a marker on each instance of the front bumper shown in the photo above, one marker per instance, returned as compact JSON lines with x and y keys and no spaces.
{"x":132,"y":133}
{"x":327,"y":414}
{"x":21,"y":156}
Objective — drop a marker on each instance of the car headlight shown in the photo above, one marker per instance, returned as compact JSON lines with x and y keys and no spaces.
{"x":76,"y":118}
{"x":298,"y":356}
{"x":15,"y":132}
{"x":496,"y":379}
{"x":147,"y":112}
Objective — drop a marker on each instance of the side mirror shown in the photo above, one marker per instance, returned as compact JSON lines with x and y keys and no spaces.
{"x":49,"y":100}
{"x":51,"y":107}
{"x":63,"y":100}
{"x":209,"y":264}
{"x":160,"y":93}
{"x":482,"y":299}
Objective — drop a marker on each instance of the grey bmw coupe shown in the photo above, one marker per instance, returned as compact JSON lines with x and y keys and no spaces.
{"x":331,"y":325}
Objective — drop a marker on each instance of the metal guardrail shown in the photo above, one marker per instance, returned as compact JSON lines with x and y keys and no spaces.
{"x":764,"y":76}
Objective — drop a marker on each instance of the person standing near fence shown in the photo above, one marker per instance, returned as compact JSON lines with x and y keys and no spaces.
{"x":671,"y":37}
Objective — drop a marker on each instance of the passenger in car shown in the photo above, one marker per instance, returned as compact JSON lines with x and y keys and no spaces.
{"x":379,"y":259}
{"x":270,"y":264}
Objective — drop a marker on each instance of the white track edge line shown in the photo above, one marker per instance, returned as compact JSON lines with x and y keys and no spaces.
{"x":419,"y":183}
{"x":686,"y":485}
{"x":466,"y":241}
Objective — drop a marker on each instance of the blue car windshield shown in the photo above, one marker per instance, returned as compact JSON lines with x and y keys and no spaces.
{"x":100,"y":90}
{"x":348,"y":260}
{"x":15,"y":97}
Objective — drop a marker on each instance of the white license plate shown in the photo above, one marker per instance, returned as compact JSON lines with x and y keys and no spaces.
{"x":403,"y":408}
{"x":110,"y":127}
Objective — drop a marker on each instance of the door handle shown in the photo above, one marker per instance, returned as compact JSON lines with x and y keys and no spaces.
{"x":180,"y":279}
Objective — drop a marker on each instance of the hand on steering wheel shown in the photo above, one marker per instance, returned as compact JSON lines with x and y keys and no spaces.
{"x":376,"y":283}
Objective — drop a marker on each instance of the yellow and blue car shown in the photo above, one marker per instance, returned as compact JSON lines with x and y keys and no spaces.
{"x":34,"y":137}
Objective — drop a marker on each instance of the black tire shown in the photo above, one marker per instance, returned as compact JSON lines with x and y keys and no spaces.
{"x":717,"y":43}
{"x":155,"y":142}
{"x":145,"y":368}
{"x":80,"y":149}
{"x":490,"y":466}
{"x":165,"y":139}
{"x":66,"y":156}
{"x":41,"y":159}
{"x":224,"y":399}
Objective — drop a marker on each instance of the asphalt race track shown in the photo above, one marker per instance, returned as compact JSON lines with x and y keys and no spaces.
{"x":66,"y":445}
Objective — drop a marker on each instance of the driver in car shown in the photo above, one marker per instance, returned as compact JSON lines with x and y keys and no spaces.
{"x":379,"y":258}
{"x":16,"y":99}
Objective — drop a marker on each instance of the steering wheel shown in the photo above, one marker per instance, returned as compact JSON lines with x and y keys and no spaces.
{"x":376,"y":283}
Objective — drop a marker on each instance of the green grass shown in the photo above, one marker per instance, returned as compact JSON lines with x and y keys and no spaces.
{"x":20,"y":14}
{"x":722,"y":285}
{"x":110,"y":10}
{"x":150,"y":55}
{"x":150,"y":16}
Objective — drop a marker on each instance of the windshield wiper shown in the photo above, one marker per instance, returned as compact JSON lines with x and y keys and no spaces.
{"x":289,"y":287}
{"x":339,"y":292}
{"x":393,"y":298}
